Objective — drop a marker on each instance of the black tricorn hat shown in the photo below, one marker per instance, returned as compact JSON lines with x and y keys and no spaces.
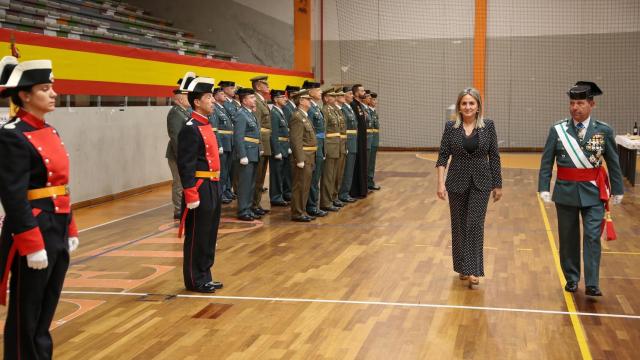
{"x":584,"y":90}
{"x":27,"y":73}
{"x":201,"y":85}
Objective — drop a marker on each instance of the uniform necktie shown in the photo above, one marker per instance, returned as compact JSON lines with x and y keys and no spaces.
{"x":581,"y":131}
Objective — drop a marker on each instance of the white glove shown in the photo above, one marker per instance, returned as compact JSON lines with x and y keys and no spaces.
{"x":193,"y":205}
{"x":347,"y":151}
{"x":244,"y":161}
{"x":545,"y":196}
{"x":300,"y":165}
{"x":261,"y":152}
{"x":221,"y":150}
{"x":289,"y":151}
{"x":73,"y":244}
{"x":38,"y":260}
{"x":616,"y":199}
{"x":279,"y":156}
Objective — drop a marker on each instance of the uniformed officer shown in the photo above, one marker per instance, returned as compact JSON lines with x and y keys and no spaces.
{"x":176,"y":118}
{"x":352,"y":144}
{"x":229,"y":89}
{"x":263,"y":114}
{"x":579,"y":145}
{"x":246,"y":139}
{"x":375,"y":141}
{"x":199,"y":168}
{"x":343,"y":148}
{"x":290,"y":106}
{"x":38,"y":232}
{"x":279,"y":148}
{"x":359,"y":182}
{"x":370,"y":130}
{"x":288,"y":110}
{"x":225,"y":137}
{"x":302,"y":138}
{"x":332,"y":122}
{"x":317,"y":120}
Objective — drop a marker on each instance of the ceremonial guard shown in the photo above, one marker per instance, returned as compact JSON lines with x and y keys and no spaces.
{"x":229,"y":89}
{"x":352,"y":144}
{"x":332,"y":150}
{"x":359,"y":182}
{"x":263,"y":114}
{"x":279,"y":148}
{"x":176,"y":118}
{"x":225,"y":137}
{"x":38,"y":232}
{"x":317,"y":120}
{"x":578,"y":145}
{"x":199,"y":168}
{"x":302,"y":137}
{"x":246,"y":140}
{"x":375,"y":141}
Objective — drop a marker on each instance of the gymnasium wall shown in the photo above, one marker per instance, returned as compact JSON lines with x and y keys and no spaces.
{"x":418,"y":55}
{"x":256,"y":31}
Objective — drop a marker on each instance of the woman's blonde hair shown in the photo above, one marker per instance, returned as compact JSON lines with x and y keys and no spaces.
{"x":476,"y":95}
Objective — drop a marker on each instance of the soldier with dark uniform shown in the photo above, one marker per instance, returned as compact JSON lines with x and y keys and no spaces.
{"x":263,"y":114}
{"x":375,"y":141}
{"x":317,"y":120}
{"x":246,"y":140}
{"x":578,"y":145}
{"x":288,"y":110}
{"x":38,"y":232}
{"x":225,"y":138}
{"x":199,"y":168}
{"x":290,"y":107}
{"x":302,"y":138}
{"x":332,"y":122}
{"x":279,"y":149}
{"x":352,"y":144}
{"x":359,"y":183}
{"x":370,"y":131}
{"x":229,"y":89}
{"x":176,"y":118}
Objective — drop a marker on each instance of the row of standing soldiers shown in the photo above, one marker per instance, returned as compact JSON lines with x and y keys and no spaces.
{"x":320,"y":157}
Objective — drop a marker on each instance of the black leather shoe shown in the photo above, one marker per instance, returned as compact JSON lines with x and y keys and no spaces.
{"x":226,"y":201}
{"x":311,"y":217}
{"x":286,"y":198}
{"x":338,"y":203}
{"x":592,"y":291}
{"x":265,"y":211}
{"x":279,"y":203}
{"x":246,"y":217}
{"x":204,"y":288}
{"x":374,"y":187}
{"x":177,"y":217}
{"x":348,"y":200}
{"x":330,"y":208}
{"x":317,"y":213}
{"x":571,"y":286}
{"x":258,"y":211}
{"x":216,"y":284}
{"x":302,"y":218}
{"x":256,"y":216}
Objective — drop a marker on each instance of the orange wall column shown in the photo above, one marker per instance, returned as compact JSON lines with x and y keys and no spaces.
{"x":302,"y":35}
{"x":479,"y":45}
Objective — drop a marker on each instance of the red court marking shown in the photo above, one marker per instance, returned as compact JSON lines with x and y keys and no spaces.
{"x":88,"y":279}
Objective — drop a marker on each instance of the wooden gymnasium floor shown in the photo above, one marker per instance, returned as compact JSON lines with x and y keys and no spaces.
{"x":374,"y":281}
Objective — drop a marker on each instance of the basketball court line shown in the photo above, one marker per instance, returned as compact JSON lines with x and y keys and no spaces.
{"x":568,"y":299}
{"x":356,"y":302}
{"x":123,"y":218}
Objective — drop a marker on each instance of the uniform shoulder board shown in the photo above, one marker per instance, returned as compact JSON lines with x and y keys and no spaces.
{"x":602,"y":123}
{"x":561,"y":121}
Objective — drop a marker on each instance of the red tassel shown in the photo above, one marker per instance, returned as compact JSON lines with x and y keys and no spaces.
{"x":611,"y":231}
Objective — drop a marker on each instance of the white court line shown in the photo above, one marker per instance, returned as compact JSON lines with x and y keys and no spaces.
{"x":123,"y":218}
{"x":354,"y":302}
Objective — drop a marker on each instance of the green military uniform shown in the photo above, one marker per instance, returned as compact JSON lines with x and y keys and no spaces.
{"x":317,"y":120}
{"x":333,"y":126}
{"x":343,"y":156}
{"x":575,"y":198}
{"x":225,"y":140}
{"x":176,"y":118}
{"x":279,"y":145}
{"x":302,"y":138}
{"x":263,"y":114}
{"x":352,"y":151}
{"x":246,"y":138}
{"x":375,"y":141}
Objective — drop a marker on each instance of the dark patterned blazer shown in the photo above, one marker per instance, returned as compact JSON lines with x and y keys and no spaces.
{"x":481,"y":166}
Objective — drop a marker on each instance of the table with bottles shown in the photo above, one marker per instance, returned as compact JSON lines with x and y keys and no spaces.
{"x":628,"y":146}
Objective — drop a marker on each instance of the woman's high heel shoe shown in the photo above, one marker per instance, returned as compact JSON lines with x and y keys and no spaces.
{"x":474,"y":281}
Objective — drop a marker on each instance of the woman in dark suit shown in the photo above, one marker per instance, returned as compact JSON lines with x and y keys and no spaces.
{"x":474,"y":173}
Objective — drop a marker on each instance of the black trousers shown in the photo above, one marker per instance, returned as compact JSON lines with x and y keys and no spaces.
{"x":201,"y":235}
{"x":468,"y":211}
{"x":35,"y":293}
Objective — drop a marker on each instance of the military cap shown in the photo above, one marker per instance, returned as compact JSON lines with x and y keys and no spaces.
{"x":302,"y":94}
{"x":262,"y":78}
{"x":217,"y":90}
{"x":7,"y":64}
{"x":291,"y":88}
{"x":374,"y":95}
{"x":224,"y":83}
{"x":584,"y":90}
{"x":347,"y":89}
{"x":276,"y":93}
{"x":310,"y":85}
{"x":245,"y":91}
